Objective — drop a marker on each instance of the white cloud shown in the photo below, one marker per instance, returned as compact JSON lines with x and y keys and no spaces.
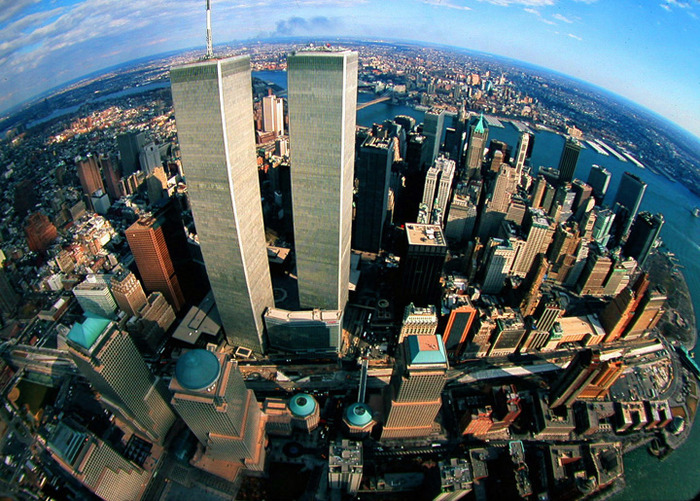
{"x":445,"y":3}
{"x":666,"y":7}
{"x":561,"y":18}
{"x":571,"y":35}
{"x":528,"y":3}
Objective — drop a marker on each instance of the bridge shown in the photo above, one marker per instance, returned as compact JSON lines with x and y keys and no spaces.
{"x":373,"y":101}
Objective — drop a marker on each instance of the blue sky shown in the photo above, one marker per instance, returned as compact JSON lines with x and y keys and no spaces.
{"x":646,"y":51}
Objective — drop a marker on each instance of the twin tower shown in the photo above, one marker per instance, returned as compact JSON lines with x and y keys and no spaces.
{"x":214,"y":116}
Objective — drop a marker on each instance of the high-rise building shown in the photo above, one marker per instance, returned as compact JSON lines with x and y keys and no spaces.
{"x":522,"y":151}
{"x":568,"y":160}
{"x":647,"y":314}
{"x":530,"y":296}
{"x":627,"y":201}
{"x":562,"y":253}
{"x":459,"y":324}
{"x":89,"y":175}
{"x":9,"y":299}
{"x":478,"y":135}
{"x":602,"y":228}
{"x":112,"y":175}
{"x":583,"y":193}
{"x":322,"y":99}
{"x":210,"y":395}
{"x":412,"y":398}
{"x":422,"y":264}
{"x":345,"y":466}
{"x":599,"y":180}
{"x":539,"y":231}
{"x":304,"y":331}
{"x":94,"y":296}
{"x":433,"y":125}
{"x":418,"y":321}
{"x":507,"y":336}
{"x":372,"y":173}
{"x":130,"y":144}
{"x":538,"y":189}
{"x":96,"y":464}
{"x":111,"y":362}
{"x":40,"y":232}
{"x":214,"y":114}
{"x":595,"y":273}
{"x":586,"y":377}
{"x":461,"y":218}
{"x":500,"y":255}
{"x":149,"y":158}
{"x":643,"y":235}
{"x":273,"y":114}
{"x":147,"y":242}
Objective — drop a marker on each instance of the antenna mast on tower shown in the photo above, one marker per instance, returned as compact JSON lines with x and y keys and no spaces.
{"x":210,"y":49}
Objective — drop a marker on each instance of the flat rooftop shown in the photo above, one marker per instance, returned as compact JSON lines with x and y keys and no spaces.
{"x":425,"y":234}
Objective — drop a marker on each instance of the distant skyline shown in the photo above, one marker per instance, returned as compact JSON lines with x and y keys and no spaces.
{"x":646,"y":53}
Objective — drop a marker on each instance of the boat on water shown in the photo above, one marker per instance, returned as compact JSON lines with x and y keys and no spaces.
{"x":696,"y":211}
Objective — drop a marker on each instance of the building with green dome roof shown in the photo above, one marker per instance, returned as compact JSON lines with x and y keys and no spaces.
{"x":305,"y":411}
{"x":358,"y":419}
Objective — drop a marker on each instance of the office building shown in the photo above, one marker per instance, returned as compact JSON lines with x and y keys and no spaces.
{"x":210,"y":395}
{"x":345,"y":466}
{"x":461,"y":218}
{"x":539,"y":231}
{"x":149,"y":158}
{"x":412,"y":398}
{"x":273,"y":114}
{"x":603,"y":225}
{"x":372,"y":174}
{"x":9,"y":299}
{"x":153,"y":320}
{"x":562,"y":253}
{"x":433,"y":125}
{"x":214,"y":114}
{"x":627,"y":201}
{"x":500,"y":255}
{"x":111,"y":362}
{"x":507,"y":336}
{"x":582,"y":193}
{"x":568,"y":160}
{"x":537,"y":195}
{"x":522,"y":151}
{"x":459,"y":324}
{"x":643,"y":236}
{"x":418,"y":321}
{"x":599,"y":180}
{"x":89,"y":175}
{"x":130,"y":145}
{"x":40,"y":232}
{"x":304,"y":331}
{"x":478,"y":135}
{"x":585,"y":377}
{"x":595,"y":273}
{"x":647,"y":314}
{"x":94,"y":296}
{"x":322,"y":102}
{"x":528,"y":292}
{"x":99,"y":201}
{"x":147,"y":242}
{"x":422,"y":264}
{"x":96,"y":464}
{"x":112,"y":176}
{"x":438,"y":185}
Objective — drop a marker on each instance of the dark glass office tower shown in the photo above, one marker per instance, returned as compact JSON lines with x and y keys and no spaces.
{"x":627,"y":201}
{"x":568,"y":160}
{"x":644,"y":233}
{"x":599,"y":180}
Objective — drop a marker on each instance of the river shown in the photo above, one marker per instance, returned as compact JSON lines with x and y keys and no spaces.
{"x":678,"y":477}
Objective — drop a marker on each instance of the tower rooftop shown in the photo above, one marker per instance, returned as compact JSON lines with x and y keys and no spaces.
{"x":85,"y":334}
{"x":358,"y":414}
{"x":426,"y":350}
{"x":197,"y":369}
{"x":302,"y":405}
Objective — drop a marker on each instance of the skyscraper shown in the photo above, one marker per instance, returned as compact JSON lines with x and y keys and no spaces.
{"x":540,"y":232}
{"x":273,"y":114}
{"x":412,"y":398}
{"x":94,"y":296}
{"x":586,"y":377}
{"x":433,"y":124}
{"x":147,"y":242}
{"x":322,"y":101}
{"x":459,"y":324}
{"x":522,"y":151}
{"x":89,"y":175}
{"x":568,"y":160}
{"x":109,"y":359}
{"x":599,"y":180}
{"x":127,"y":292}
{"x":422,"y":264}
{"x":643,"y":234}
{"x":210,"y":395}
{"x":478,"y":135}
{"x":214,"y":114}
{"x":130,"y":145}
{"x":627,"y":201}
{"x":372,"y":173}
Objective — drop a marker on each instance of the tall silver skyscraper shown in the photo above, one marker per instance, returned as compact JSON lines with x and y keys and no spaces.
{"x":214,"y":114}
{"x":322,"y":98}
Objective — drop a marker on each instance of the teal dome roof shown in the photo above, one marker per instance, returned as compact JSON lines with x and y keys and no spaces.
{"x":358,"y":414}
{"x":86,"y":334}
{"x":197,"y":369}
{"x":302,"y":405}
